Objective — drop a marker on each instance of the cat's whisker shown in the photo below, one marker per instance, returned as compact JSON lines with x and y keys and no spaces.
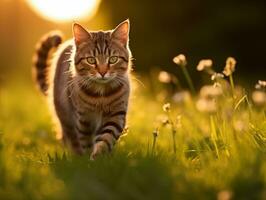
{"x":69,"y":84}
{"x":141,"y":83}
{"x":120,"y":80}
{"x":77,"y":82}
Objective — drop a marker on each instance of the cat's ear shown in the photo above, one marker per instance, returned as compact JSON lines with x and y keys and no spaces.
{"x":121,"y":32}
{"x":80,"y":34}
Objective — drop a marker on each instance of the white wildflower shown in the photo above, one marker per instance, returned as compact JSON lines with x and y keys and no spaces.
{"x":216,"y":76}
{"x":206,"y":105}
{"x":262,"y":83}
{"x":209,"y":91}
{"x":166,"y":107}
{"x":204,"y":64}
{"x":164,"y":77}
{"x":180,"y":60}
{"x":181,"y":97}
{"x":259,"y":98}
{"x":230,"y":66}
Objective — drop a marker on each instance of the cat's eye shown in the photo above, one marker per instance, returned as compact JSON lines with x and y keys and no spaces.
{"x":91,"y":60}
{"x":113,"y":59}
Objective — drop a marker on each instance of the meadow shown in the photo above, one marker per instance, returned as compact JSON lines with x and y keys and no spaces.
{"x":180,"y":144}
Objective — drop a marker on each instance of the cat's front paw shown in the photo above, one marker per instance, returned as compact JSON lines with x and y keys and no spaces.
{"x":99,"y":148}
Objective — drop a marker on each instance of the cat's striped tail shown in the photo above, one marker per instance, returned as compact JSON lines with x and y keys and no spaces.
{"x":47,"y":43}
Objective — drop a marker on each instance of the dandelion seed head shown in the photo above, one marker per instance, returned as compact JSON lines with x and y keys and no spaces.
{"x":262,"y":83}
{"x":259,"y":98}
{"x":209,"y":92}
{"x":164,"y":77}
{"x":217,"y":76}
{"x":180,"y":60}
{"x":165,"y":122}
{"x":155,"y":133}
{"x":206,"y":105}
{"x":230,"y":66}
{"x":204,"y":64}
{"x":181,"y":97}
{"x":166,"y":107}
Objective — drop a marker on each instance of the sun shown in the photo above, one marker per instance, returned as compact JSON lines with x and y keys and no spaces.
{"x":65,"y":10}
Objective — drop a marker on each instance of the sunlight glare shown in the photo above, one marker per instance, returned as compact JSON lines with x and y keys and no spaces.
{"x":65,"y":10}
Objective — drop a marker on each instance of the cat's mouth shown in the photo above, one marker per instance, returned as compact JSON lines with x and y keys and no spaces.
{"x":104,"y":79}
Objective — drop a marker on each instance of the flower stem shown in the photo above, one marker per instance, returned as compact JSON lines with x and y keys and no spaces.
{"x":155,"y":135}
{"x":232,"y":85}
{"x":249,"y":108}
{"x":174,"y":143}
{"x":214,"y":135}
{"x":189,"y":80}
{"x":173,"y":131}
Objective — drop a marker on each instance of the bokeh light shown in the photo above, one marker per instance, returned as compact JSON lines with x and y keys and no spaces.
{"x":63,"y":11}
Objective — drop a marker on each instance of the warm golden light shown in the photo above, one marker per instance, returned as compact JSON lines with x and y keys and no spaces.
{"x":65,"y":10}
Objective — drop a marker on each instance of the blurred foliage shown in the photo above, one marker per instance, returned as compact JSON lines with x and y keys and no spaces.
{"x":171,"y":151}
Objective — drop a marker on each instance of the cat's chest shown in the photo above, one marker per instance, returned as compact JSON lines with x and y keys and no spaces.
{"x":100,"y":105}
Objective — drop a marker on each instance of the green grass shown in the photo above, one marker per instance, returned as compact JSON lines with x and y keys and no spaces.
{"x":216,"y":154}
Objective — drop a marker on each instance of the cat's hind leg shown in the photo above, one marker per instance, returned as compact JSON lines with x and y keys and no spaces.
{"x":73,"y":141}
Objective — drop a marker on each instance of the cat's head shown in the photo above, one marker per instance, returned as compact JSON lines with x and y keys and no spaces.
{"x":101,"y":56}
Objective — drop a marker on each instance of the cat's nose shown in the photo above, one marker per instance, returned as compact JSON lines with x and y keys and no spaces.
{"x":102,"y":73}
{"x":102,"y":69}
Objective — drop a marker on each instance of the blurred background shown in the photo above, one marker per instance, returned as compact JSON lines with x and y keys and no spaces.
{"x":160,"y":30}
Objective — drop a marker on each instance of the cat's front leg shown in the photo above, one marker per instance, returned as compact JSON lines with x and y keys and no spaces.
{"x":101,"y":147}
{"x":109,"y":133}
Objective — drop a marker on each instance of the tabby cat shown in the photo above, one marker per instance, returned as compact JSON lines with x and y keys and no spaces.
{"x":88,"y":82}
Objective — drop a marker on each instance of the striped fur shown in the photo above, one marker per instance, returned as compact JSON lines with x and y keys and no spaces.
{"x":46,"y":44}
{"x":90,"y":88}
